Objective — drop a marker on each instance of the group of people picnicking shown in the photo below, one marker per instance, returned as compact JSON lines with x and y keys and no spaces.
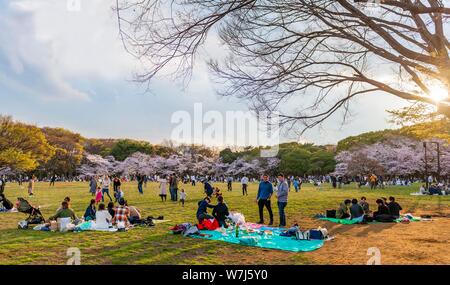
{"x":104,"y":216}
{"x":360,"y":210}
{"x":263,"y":199}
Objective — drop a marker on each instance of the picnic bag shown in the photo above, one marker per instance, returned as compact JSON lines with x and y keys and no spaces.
{"x":319,"y":233}
{"x":331,"y":213}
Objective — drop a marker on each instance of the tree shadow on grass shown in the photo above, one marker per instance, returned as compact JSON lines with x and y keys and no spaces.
{"x":374,"y":228}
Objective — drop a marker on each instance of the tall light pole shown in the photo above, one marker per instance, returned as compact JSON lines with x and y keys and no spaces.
{"x":426,"y":165}
{"x":438,"y":149}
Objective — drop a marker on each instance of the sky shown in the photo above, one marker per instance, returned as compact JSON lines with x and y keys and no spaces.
{"x":61,"y":66}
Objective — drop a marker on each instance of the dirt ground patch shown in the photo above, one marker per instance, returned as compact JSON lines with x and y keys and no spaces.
{"x":424,"y":242}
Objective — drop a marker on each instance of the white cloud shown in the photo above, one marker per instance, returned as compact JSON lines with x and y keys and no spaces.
{"x":61,"y":46}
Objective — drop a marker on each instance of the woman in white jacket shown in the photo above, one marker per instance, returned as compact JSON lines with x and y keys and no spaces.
{"x":102,"y":218}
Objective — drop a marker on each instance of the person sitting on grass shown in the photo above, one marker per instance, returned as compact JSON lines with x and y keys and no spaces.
{"x":122,"y":214}
{"x":135,"y":214}
{"x":67,"y":199}
{"x":356,"y":210}
{"x":5,"y":203}
{"x":394,"y":208}
{"x":111,"y":210}
{"x":217,"y":192}
{"x":364,"y":205}
{"x":382,"y":209}
{"x":118,"y":194}
{"x":102,"y":218}
{"x":343,"y":212}
{"x":202,"y":211}
{"x":89,"y":214}
{"x":64,"y":212}
{"x":220,"y":212}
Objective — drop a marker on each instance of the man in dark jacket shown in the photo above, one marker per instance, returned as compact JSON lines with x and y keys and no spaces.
{"x":394,"y":208}
{"x":2,"y":185}
{"x":356,"y":210}
{"x":202,"y":211}
{"x":265,"y":191}
{"x":8,"y":205}
{"x":220,"y":212}
{"x":209,"y":190}
{"x":382,"y":212}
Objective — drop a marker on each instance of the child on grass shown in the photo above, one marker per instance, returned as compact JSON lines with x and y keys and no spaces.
{"x":98,"y":195}
{"x":182,"y":197}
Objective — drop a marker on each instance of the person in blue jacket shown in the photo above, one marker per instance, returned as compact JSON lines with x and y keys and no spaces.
{"x":265,"y":191}
{"x":89,"y":214}
{"x":202,"y":211}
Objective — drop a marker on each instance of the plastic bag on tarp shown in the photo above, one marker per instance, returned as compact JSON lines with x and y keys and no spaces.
{"x":85,"y":226}
{"x":237,"y":218}
{"x":63,"y":223}
{"x":22,"y":225}
{"x":191,"y":231}
{"x":41,"y":227}
{"x":248,"y":240}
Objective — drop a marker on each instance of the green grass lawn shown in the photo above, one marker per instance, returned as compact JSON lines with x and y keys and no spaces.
{"x":156,"y":245}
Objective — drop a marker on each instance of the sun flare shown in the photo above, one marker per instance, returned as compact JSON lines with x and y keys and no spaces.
{"x":438,"y":94}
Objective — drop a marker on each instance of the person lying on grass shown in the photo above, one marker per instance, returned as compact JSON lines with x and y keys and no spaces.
{"x":64,"y":212}
{"x":343,"y":212}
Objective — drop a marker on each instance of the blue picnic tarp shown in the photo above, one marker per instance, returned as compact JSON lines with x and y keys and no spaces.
{"x":263,"y":240}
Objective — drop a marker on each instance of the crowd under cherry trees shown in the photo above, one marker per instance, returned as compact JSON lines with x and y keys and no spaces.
{"x":180,"y":164}
{"x":394,"y":156}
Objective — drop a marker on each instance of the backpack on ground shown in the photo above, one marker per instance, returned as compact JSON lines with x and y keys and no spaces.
{"x":331,"y":213}
{"x":319,"y":233}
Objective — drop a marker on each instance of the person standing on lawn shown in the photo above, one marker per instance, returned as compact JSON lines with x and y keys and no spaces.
{"x":93,"y":185}
{"x":140,"y":181}
{"x":31,"y":185}
{"x":105,"y":187}
{"x":230,"y":183}
{"x":282,"y":195}
{"x":244,"y":182}
{"x":209,"y":190}
{"x":265,"y":191}
{"x":174,"y":188}
{"x":52,"y":180}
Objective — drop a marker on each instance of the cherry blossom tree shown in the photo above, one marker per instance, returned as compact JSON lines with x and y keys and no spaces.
{"x":394,"y":156}
{"x":97,"y":165}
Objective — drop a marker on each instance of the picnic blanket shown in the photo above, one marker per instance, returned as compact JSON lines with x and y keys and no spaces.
{"x":263,"y":240}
